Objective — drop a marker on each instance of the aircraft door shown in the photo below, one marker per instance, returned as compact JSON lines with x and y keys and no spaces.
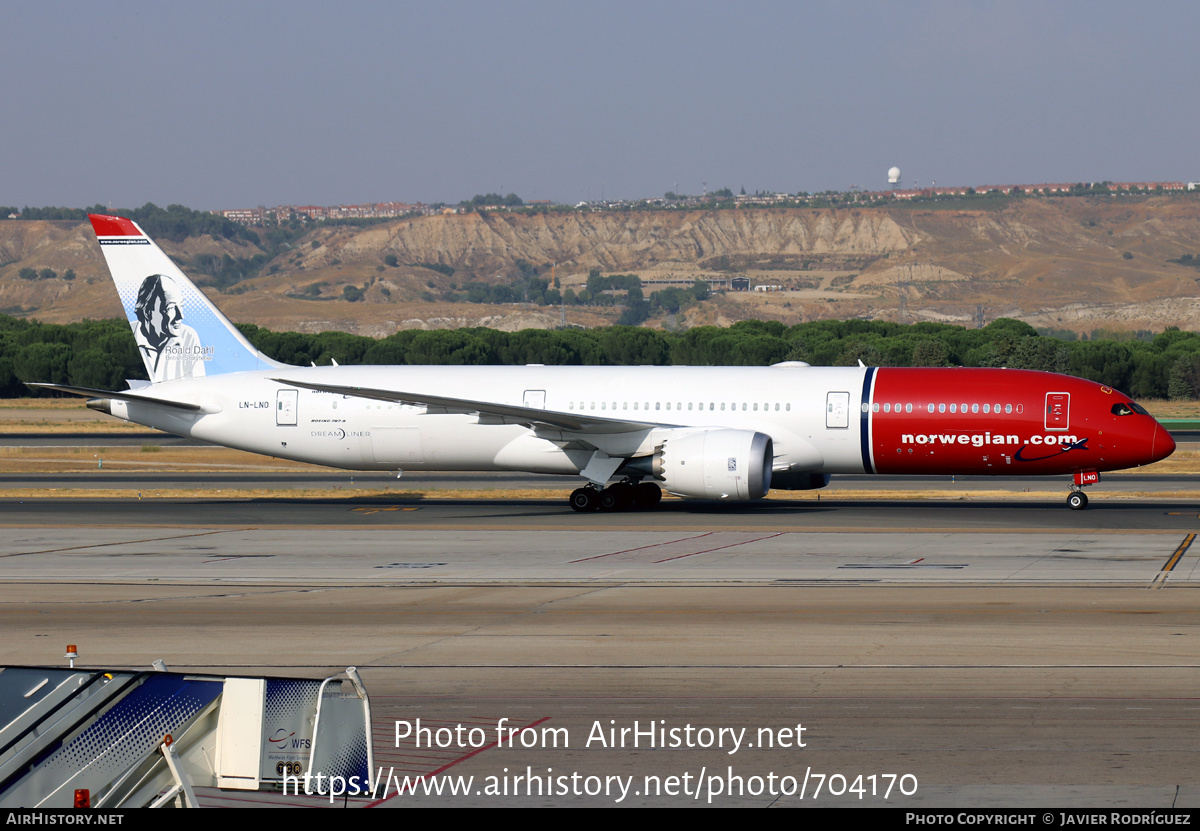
{"x":285,"y":408}
{"x":535,"y":399}
{"x":837,"y":409}
{"x":1058,"y":410}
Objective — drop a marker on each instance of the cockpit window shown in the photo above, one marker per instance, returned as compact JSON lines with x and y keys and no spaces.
{"x":1124,"y":408}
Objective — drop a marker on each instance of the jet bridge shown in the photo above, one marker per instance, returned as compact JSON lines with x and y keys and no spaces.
{"x":128,"y":739}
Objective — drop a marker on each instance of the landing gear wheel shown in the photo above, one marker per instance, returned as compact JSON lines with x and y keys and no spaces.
{"x":617,"y":497}
{"x":1077,"y":500}
{"x":585,"y":499}
{"x":647,"y":495}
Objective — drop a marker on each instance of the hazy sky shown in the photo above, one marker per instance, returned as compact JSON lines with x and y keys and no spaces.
{"x":236,"y":104}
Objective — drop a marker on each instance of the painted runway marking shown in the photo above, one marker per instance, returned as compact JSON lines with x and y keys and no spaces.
{"x":642,"y":548}
{"x":369,"y":511}
{"x":125,"y":542}
{"x":686,"y":547}
{"x":718,"y":548}
{"x":908,"y":565}
{"x":1160,"y":579}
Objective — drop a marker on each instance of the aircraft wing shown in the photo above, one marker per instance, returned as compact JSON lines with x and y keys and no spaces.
{"x":88,"y":392}
{"x":572,"y":422}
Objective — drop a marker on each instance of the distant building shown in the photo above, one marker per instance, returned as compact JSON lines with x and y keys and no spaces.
{"x":245,"y":217}
{"x":740,"y":284}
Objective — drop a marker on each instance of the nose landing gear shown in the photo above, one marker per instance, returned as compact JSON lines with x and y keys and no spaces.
{"x":1077,"y":500}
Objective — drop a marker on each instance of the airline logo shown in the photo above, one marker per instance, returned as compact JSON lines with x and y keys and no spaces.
{"x":988,"y":438}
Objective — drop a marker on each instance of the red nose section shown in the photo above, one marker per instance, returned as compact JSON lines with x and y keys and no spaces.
{"x":1161,"y":444}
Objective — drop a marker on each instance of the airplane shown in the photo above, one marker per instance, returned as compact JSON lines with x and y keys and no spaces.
{"x":717,"y":433}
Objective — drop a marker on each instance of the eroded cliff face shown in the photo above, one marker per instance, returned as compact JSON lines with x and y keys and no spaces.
{"x":1082,"y":262}
{"x":628,"y":241}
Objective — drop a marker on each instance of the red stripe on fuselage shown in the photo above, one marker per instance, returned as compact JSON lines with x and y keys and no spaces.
{"x":1014,"y":436}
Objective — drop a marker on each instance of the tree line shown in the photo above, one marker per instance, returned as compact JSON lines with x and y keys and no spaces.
{"x":102,"y":353}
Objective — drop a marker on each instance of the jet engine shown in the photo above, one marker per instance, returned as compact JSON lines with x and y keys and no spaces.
{"x":716,"y":464}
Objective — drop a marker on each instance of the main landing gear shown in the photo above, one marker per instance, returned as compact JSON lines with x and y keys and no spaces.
{"x":619,"y":496}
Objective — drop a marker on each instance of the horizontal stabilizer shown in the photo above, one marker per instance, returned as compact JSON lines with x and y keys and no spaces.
{"x":573,"y":422}
{"x":87,"y":392}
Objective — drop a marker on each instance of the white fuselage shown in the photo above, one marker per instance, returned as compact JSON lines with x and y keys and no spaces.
{"x":250,"y":411}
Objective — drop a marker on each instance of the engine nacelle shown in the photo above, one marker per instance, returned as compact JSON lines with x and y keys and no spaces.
{"x":716,"y":464}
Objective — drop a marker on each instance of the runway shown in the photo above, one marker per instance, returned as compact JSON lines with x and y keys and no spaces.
{"x":999,"y":652}
{"x":986,"y":514}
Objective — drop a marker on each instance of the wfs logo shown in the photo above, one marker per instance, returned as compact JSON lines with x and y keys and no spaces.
{"x":284,"y":740}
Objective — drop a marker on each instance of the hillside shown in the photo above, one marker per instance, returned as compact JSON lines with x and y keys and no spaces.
{"x":1078,"y":263}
